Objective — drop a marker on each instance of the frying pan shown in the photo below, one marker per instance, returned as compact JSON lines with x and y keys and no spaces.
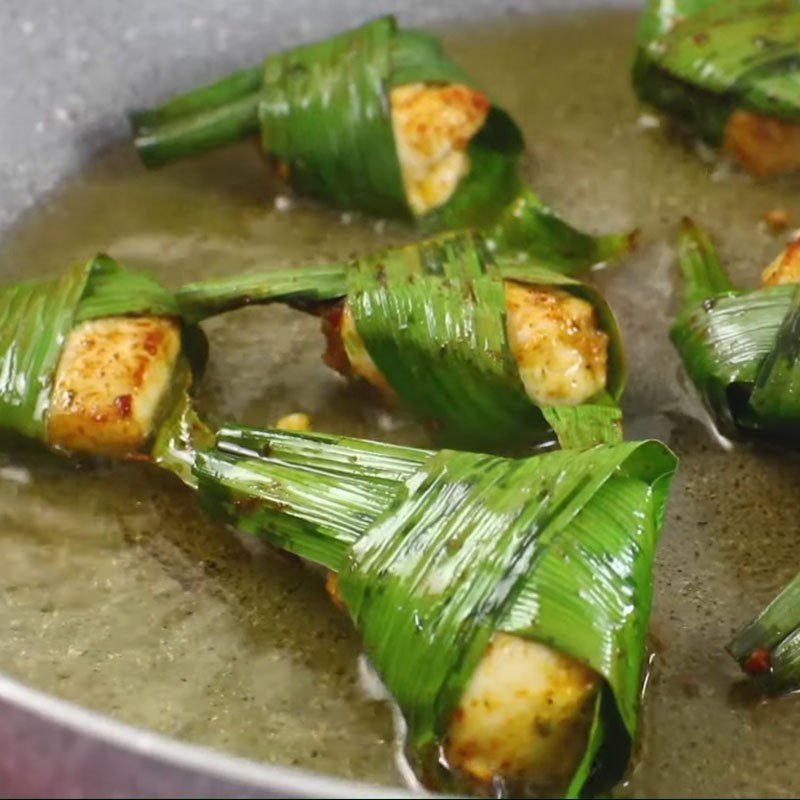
{"x":69,"y":72}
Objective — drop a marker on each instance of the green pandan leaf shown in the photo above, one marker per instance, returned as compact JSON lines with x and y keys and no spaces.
{"x":112,"y":290}
{"x":738,"y":347}
{"x":323,"y":113}
{"x":741,"y":351}
{"x":323,"y":110}
{"x":35,"y":319}
{"x":303,"y":287}
{"x":751,"y":50}
{"x":436,"y":552}
{"x":701,"y":59}
{"x":529,"y":231}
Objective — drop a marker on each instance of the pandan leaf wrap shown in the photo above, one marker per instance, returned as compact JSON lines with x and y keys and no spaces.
{"x":740,"y":348}
{"x":700,"y":60}
{"x":436,"y":552}
{"x":323,"y":111}
{"x":36,"y":318}
{"x":432,"y":317}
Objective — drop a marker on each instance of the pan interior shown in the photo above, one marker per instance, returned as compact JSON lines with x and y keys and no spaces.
{"x":119,"y":595}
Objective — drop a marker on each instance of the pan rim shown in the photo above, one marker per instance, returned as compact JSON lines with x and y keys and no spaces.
{"x":239,"y":776}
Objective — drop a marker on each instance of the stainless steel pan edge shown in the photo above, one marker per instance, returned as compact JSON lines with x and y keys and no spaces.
{"x":52,"y":748}
{"x":68,"y":74}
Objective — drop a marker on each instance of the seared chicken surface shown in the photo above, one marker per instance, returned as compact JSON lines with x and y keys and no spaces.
{"x":763,"y":145}
{"x":561,"y":352}
{"x":111,"y":382}
{"x":555,"y":338}
{"x":432,"y":128}
{"x":785,"y":268}
{"x":524,"y":716}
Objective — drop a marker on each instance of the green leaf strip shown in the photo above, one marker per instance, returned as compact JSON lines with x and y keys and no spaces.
{"x":302,"y":287}
{"x":702,"y":272}
{"x":324,"y":112}
{"x":310,"y":494}
{"x":529,"y":231}
{"x":433,"y":320}
{"x":574,"y":426}
{"x":200,"y":120}
{"x":776,"y":392}
{"x":112,"y":290}
{"x":35,"y":318}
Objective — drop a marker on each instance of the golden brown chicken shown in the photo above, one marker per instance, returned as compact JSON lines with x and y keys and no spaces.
{"x":433,"y":125}
{"x":112,"y":383}
{"x":559,"y":348}
{"x":524,"y":716}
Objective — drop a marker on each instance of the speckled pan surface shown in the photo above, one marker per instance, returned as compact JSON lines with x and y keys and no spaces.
{"x":117,"y":595}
